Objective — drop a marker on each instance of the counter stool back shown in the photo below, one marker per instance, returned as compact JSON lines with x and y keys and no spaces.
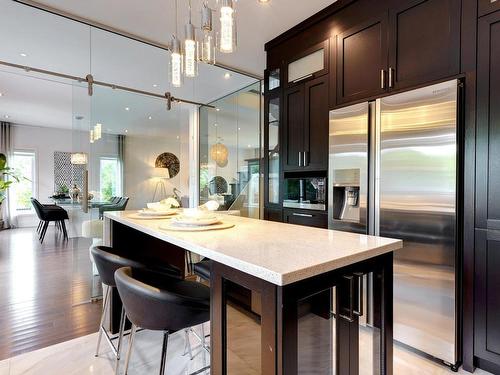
{"x":157,"y":302}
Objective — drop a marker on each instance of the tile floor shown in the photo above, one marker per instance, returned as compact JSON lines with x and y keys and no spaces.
{"x":76,"y":357}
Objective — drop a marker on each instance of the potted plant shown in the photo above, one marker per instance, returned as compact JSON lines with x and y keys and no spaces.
{"x":7,"y":177}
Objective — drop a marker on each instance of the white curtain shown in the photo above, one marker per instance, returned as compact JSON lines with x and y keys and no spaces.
{"x":6,"y":148}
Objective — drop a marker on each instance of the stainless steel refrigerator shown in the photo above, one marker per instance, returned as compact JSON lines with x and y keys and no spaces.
{"x":393,"y":172}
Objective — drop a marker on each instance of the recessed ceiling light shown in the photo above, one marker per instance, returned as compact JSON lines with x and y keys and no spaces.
{"x":126,"y":131}
{"x":150,"y":117}
{"x":227,"y":75}
{"x":217,"y":109}
{"x":127,"y":109}
{"x":264,"y":1}
{"x":22,"y":54}
{"x":249,"y":146}
{"x":6,"y":116}
{"x":215,"y":124}
{"x":155,"y":85}
{"x":177,"y":137}
{"x":1,"y":93}
{"x":239,"y":128}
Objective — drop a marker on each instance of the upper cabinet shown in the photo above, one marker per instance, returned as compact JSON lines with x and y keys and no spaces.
{"x":413,"y":43}
{"x":362,"y":60}
{"x":308,"y":64}
{"x":488,"y":6}
{"x":424,"y":41}
{"x":305,"y":132}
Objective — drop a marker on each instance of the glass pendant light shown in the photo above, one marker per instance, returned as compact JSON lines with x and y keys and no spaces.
{"x":208,"y":42}
{"x":227,"y":42}
{"x":190,"y":49}
{"x":176,"y":57}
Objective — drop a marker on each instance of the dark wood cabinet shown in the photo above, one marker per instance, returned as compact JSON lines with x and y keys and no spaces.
{"x":316,"y":125}
{"x":413,"y":43}
{"x":487,"y":312}
{"x":305,"y":217}
{"x":362,"y":60}
{"x":305,"y":130}
{"x":488,"y":6}
{"x":487,"y":250}
{"x":293,"y":128}
{"x":424,"y":41}
{"x":273,"y":214}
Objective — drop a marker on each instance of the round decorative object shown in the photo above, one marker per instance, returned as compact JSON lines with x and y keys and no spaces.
{"x":219,"y":153}
{"x":218,"y":185}
{"x":169,"y":161}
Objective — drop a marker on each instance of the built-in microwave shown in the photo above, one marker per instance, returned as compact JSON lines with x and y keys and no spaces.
{"x":305,"y":193}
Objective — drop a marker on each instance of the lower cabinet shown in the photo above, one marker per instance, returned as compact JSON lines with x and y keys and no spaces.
{"x":273,"y":214}
{"x":487,"y":297}
{"x":316,"y":219}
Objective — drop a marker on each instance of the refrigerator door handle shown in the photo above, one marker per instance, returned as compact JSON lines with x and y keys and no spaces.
{"x":300,"y":159}
{"x":306,"y":162}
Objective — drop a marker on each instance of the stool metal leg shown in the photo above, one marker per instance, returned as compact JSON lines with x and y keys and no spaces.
{"x":188,"y":344}
{"x":120,"y":340}
{"x":163,"y":364}
{"x":130,"y":344}
{"x":104,"y":306}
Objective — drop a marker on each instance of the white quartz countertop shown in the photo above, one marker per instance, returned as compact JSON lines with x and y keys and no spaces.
{"x":276,"y":252}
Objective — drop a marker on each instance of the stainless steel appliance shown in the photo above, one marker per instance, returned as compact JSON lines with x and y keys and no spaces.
{"x":404,"y":150}
{"x":305,"y":193}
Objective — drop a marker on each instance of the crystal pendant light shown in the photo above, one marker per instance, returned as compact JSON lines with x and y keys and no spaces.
{"x":227,"y":42}
{"x":176,"y":57}
{"x":208,"y":42}
{"x":190,"y":49}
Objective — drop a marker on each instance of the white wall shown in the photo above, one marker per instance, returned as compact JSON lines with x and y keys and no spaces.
{"x":45,"y":141}
{"x":140,"y":155}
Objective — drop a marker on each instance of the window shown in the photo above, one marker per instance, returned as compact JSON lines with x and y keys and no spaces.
{"x":109,"y":177}
{"x":24,"y":162}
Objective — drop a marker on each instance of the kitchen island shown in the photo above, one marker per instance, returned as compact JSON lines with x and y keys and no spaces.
{"x":294,"y":271}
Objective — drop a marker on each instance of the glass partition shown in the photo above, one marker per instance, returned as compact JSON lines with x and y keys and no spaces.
{"x":230,"y":152}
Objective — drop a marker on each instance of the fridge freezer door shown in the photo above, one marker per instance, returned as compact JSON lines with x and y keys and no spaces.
{"x":348,"y":168}
{"x":417,"y":190}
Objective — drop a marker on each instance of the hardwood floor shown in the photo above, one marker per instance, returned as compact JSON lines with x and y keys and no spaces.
{"x":44,"y":291}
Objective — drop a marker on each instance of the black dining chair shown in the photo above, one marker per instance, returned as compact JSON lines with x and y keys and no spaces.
{"x":107,"y":261}
{"x":161,"y":303}
{"x":50,"y":213}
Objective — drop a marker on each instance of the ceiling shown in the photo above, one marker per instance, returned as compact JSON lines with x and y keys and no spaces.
{"x":154,"y":19}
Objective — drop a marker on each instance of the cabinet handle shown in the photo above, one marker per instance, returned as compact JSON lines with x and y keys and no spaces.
{"x":391,"y":78}
{"x":306,"y":163}
{"x":301,"y":215}
{"x":360,"y":310}
{"x":382,"y":79}
{"x":300,"y":159}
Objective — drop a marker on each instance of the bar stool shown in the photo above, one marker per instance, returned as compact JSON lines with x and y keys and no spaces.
{"x":202,"y":269}
{"x":107,"y":262}
{"x":160,"y":303}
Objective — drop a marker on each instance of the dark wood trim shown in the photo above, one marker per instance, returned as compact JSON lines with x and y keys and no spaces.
{"x":468,"y":65}
{"x":304,"y":25}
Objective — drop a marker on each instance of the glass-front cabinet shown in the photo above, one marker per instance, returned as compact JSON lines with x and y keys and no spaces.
{"x":272,"y":112}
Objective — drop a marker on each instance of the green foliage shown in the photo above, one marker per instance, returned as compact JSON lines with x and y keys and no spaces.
{"x":7,"y":177}
{"x":108,"y":181}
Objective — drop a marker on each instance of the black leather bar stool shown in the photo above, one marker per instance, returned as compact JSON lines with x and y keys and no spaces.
{"x":157,"y":302}
{"x":202,"y":269}
{"x":107,"y":262}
